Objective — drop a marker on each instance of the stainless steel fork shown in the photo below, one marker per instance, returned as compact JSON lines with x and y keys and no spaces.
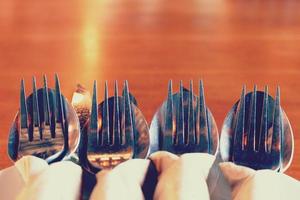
{"x":115,"y":132}
{"x":184,"y":124}
{"x":46,"y":126}
{"x":256,"y":133}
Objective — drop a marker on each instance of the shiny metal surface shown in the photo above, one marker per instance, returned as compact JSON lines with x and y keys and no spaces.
{"x":256,"y":132}
{"x":81,"y":102}
{"x":46,"y":125}
{"x":116,"y":131}
{"x":184,"y":124}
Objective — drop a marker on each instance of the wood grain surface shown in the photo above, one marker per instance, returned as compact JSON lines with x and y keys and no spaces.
{"x":226,"y":43}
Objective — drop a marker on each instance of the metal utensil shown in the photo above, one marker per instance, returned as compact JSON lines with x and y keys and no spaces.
{"x":115,"y":132}
{"x":46,"y":125}
{"x":81,"y":102}
{"x":184,"y":124}
{"x":257,"y":133}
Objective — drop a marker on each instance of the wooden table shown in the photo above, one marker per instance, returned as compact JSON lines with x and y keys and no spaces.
{"x":226,"y":43}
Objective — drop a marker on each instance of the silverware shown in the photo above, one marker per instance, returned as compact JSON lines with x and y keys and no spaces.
{"x":184,"y":124}
{"x":115,"y":132}
{"x":81,"y":102}
{"x":46,"y":125}
{"x":256,"y":132}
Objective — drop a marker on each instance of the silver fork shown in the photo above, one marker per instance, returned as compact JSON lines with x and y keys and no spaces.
{"x":41,"y":127}
{"x":184,"y":124}
{"x":117,"y":131}
{"x":261,"y":136}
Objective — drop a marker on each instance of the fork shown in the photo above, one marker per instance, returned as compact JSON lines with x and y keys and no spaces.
{"x":41,"y":127}
{"x":184,"y":123}
{"x":116,"y":131}
{"x":257,"y":143}
{"x":81,"y":102}
{"x":248,"y":129}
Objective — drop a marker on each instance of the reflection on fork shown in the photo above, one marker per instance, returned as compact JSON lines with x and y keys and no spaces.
{"x":115,"y":132}
{"x":41,"y":127}
{"x":258,"y":134}
{"x":184,"y":124}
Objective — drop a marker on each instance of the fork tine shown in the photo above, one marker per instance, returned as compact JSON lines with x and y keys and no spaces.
{"x":105,"y":118}
{"x":94,"y":114}
{"x":46,"y":102}
{"x":252,"y":122}
{"x":203,"y":132}
{"x":35,"y":107}
{"x":264,"y":123}
{"x":190,"y":139}
{"x":168,"y":138}
{"x":23,"y":110}
{"x":59,"y":107}
{"x":180,"y":118}
{"x":240,"y":124}
{"x":116,"y":117}
{"x":128,"y":129}
{"x":277,"y":126}
{"x":131,"y":97}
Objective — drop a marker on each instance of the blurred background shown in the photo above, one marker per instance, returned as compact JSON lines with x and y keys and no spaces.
{"x":148,"y":42}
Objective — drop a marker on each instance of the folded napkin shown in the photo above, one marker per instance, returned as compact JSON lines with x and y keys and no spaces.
{"x":181,"y":177}
{"x":218,"y":186}
{"x":14,"y":178}
{"x":123,"y":182}
{"x":190,"y":176}
{"x":185,"y":178}
{"x":32,"y":178}
{"x":248,"y":184}
{"x":59,"y":181}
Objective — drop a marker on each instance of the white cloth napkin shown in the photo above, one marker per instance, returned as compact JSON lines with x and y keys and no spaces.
{"x":60,"y":181}
{"x":32,"y":178}
{"x":185,"y":178}
{"x":248,"y":184}
{"x":129,"y":176}
{"x":123,"y":182}
{"x":218,"y":186}
{"x":179,"y":178}
{"x":14,"y":178}
{"x":188,"y":177}
{"x":11,"y":183}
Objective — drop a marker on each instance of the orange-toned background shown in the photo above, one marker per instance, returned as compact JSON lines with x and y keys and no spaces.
{"x":227,"y":43}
